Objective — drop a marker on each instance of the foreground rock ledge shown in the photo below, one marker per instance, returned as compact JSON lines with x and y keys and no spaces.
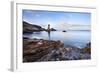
{"x":35,"y":50}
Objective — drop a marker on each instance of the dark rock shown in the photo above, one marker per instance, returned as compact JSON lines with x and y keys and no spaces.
{"x":52,"y":29}
{"x":37,"y":50}
{"x":64,"y":30}
{"x":30,"y":28}
{"x":87,"y":49}
{"x":26,"y":38}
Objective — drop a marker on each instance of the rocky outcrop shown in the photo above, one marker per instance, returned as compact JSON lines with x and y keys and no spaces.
{"x":52,"y":29}
{"x":64,"y":31}
{"x":29,"y":28}
{"x":87,"y":49}
{"x":35,"y":50}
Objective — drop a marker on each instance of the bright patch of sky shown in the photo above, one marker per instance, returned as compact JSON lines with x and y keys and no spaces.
{"x":58,"y":20}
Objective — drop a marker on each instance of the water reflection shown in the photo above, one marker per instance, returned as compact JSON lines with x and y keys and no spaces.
{"x":49,"y":35}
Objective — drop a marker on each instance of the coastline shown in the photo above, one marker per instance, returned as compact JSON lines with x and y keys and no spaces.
{"x":37,"y":50}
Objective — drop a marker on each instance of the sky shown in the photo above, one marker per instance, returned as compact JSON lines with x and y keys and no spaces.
{"x":58,"y":20}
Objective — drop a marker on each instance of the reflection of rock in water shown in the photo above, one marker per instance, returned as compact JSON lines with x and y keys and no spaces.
{"x":49,"y":35}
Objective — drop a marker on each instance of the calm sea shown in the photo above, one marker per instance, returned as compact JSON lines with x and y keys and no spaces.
{"x":73,"y":38}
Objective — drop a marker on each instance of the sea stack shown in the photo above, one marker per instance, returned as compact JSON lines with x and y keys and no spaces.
{"x":48,"y":29}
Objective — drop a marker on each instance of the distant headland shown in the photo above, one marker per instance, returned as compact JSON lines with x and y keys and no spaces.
{"x":29,"y":28}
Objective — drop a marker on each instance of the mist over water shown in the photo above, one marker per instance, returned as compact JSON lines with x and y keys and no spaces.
{"x":73,"y":38}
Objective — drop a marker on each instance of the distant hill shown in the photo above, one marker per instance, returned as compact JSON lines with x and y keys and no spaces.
{"x":29,"y":28}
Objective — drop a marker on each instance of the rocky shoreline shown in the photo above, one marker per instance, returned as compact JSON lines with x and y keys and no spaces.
{"x":37,"y":50}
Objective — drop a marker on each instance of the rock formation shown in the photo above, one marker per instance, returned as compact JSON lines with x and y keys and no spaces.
{"x":35,"y":50}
